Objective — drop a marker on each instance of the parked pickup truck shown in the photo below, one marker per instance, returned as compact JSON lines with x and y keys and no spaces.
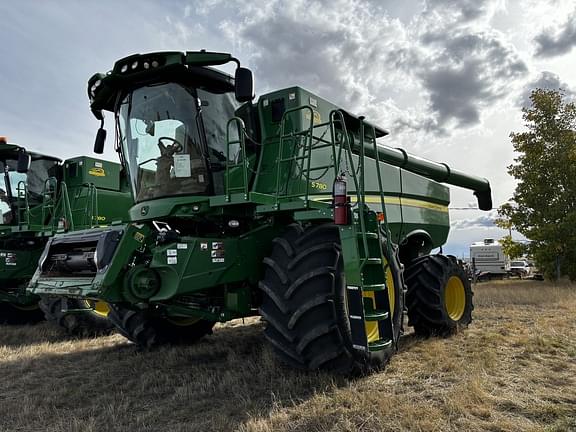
{"x":520,"y":268}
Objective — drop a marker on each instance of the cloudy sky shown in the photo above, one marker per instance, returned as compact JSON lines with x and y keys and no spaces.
{"x":448,"y":78}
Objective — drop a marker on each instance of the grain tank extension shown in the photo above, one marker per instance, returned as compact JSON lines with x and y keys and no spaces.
{"x":286,"y":207}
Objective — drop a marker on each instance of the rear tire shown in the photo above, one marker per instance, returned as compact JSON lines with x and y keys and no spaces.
{"x":86,"y":324}
{"x":304,"y":303}
{"x":15,"y":313}
{"x":439,"y":296}
{"x":148,"y":331}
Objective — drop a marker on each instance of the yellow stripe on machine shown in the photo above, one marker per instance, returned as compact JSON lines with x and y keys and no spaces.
{"x":375,"y":199}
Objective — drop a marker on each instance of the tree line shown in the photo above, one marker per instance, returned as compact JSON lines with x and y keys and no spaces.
{"x":543,"y":205}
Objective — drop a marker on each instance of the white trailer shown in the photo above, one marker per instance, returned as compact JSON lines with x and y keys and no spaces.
{"x":487,"y":256}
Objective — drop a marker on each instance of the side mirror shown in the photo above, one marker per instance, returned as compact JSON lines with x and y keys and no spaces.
{"x":100,"y":140}
{"x":244,"y":85}
{"x":24,"y":161}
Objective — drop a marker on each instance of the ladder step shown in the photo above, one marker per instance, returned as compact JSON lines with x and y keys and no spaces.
{"x":294,"y":134}
{"x":379,"y":344}
{"x":374,"y":287}
{"x":295,"y":158}
{"x":320,"y":146}
{"x":321,"y":167}
{"x":373,"y":261}
{"x":369,"y":235}
{"x":376,"y":315}
{"x":356,"y":316}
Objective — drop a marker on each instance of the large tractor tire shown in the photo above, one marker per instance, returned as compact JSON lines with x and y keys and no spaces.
{"x":304,"y":303}
{"x":16,"y":313}
{"x":439,"y":296}
{"x":148,"y":331}
{"x":93,"y":322}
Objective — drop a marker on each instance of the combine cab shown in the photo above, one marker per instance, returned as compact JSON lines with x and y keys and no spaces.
{"x":22,"y":228}
{"x":40,"y":195}
{"x":287,"y":208}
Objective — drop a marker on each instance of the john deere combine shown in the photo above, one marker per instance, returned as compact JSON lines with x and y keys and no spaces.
{"x":40,"y":195}
{"x":286,"y":208}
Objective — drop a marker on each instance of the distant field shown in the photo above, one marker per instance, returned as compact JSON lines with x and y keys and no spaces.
{"x":514,"y":369}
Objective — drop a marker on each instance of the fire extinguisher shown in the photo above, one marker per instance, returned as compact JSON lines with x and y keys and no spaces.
{"x":63,"y":224}
{"x":340,"y":198}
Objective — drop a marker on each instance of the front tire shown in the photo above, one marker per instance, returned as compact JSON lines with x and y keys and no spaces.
{"x":439,"y":296}
{"x":304,"y":303}
{"x":149,"y":331}
{"x":16,"y":313}
{"x":92,"y":322}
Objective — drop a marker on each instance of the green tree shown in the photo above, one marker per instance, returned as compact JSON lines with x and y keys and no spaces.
{"x":543,"y":207}
{"x":510,"y":247}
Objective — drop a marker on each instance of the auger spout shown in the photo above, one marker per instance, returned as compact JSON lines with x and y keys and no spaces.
{"x":436,"y":171}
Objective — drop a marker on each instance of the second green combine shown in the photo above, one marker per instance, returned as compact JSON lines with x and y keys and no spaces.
{"x":39,"y":196}
{"x":287,"y":208}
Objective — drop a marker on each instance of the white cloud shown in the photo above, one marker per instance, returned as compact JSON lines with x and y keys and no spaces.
{"x":443,"y":75}
{"x":362,"y":58}
{"x":464,"y":11}
{"x":546,"y":80}
{"x":555,"y":42}
{"x":485,"y":220}
{"x":465,"y":72}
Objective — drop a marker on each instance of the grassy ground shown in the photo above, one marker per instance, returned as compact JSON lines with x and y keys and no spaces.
{"x":514,"y":369}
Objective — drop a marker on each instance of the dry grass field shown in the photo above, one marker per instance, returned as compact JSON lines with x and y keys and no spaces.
{"x":514,"y":369}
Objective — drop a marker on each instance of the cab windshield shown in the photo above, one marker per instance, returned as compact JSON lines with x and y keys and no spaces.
{"x":31,"y":185}
{"x":173,"y":139}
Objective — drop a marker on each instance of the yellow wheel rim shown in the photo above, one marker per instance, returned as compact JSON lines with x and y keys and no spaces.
{"x":455,"y":298}
{"x":183,"y":321}
{"x":372,"y":330}
{"x":98,"y":307}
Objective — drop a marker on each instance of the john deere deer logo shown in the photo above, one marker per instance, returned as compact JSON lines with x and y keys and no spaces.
{"x":97,"y":172}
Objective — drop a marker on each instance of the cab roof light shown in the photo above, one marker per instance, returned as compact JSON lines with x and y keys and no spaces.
{"x":140,"y":63}
{"x":94,"y":85}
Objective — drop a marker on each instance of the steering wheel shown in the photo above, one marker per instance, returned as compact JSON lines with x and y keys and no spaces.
{"x":165,"y":150}
{"x":169,"y":150}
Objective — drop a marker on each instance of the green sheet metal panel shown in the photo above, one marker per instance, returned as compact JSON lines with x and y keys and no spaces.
{"x":82,"y":170}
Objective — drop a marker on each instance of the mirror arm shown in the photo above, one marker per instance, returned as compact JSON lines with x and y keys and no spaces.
{"x":98,"y":114}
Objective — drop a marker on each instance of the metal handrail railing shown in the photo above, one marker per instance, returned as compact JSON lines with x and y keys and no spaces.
{"x":307,"y":150}
{"x":339,"y":142}
{"x":241,"y":130}
{"x":49,"y":204}
{"x":22,"y":194}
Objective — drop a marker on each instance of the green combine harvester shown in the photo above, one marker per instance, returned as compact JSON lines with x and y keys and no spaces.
{"x":287,"y":208}
{"x":39,"y":196}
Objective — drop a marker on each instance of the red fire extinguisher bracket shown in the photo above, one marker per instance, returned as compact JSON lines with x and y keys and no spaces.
{"x":341,"y":201}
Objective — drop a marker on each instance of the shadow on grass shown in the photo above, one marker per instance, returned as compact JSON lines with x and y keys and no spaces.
{"x":14,"y":336}
{"x":218,"y":384}
{"x":408,"y":341}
